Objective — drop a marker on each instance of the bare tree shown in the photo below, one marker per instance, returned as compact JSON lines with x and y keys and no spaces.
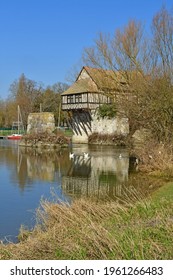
{"x":142,"y":68}
{"x":125,"y":54}
{"x":162,"y":27}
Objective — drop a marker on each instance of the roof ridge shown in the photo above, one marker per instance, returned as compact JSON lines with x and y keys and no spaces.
{"x":99,"y":69}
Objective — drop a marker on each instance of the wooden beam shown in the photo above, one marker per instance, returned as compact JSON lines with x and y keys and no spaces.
{"x":77,"y":123}
{"x":82,"y":124}
{"x":72,"y":125}
{"x":88,"y":121}
{"x":77,"y":130}
{"x":88,"y":125}
{"x":88,"y":115}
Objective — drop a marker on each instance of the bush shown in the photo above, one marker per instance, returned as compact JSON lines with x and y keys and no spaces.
{"x":113,"y":139}
{"x":156,"y":157}
{"x":107,"y":110}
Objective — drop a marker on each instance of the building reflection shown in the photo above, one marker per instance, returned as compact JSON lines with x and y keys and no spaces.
{"x":102,"y":174}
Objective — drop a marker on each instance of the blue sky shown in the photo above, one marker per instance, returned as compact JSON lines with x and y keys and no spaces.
{"x":44,"y":39}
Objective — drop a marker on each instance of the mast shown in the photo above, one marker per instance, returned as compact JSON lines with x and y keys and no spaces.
{"x":18,"y":117}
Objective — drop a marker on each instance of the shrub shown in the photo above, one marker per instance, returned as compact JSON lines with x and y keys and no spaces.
{"x":107,"y":110}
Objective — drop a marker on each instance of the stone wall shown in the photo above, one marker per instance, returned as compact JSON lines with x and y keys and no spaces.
{"x":80,"y":139}
{"x":119,"y":126}
{"x":40,"y":122}
{"x":102,"y":126}
{"x":81,"y":125}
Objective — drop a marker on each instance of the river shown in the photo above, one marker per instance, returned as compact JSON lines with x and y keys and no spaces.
{"x":28,"y":175}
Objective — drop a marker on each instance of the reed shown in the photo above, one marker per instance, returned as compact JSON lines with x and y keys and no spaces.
{"x":156,"y":158}
{"x":93,"y":230}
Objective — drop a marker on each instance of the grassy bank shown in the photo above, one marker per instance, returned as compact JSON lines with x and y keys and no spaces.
{"x":90,"y":230}
{"x":9,"y":132}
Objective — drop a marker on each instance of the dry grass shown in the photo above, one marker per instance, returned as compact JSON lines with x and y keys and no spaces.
{"x":90,"y":230}
{"x":156,"y":157}
{"x":109,"y":139}
{"x":52,"y":138}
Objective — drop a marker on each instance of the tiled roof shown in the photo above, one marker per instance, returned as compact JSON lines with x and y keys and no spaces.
{"x":81,"y":86}
{"x":105,"y":78}
{"x":100,"y":80}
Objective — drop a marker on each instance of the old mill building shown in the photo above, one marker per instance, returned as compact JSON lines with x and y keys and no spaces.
{"x":93,"y":88}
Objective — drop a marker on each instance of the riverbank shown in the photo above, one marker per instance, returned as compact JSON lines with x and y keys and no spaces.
{"x":93,"y":230}
{"x":110,"y":139}
{"x":45,"y":140}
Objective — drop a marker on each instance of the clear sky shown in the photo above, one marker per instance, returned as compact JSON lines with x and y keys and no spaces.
{"x":44,"y":39}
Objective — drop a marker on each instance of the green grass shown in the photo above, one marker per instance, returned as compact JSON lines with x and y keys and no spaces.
{"x":164,"y":193}
{"x":90,"y":230}
{"x":9,"y":132}
{"x":146,"y":232}
{"x":68,"y":133}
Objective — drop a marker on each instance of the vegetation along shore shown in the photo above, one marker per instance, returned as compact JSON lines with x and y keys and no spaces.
{"x":94,"y":230}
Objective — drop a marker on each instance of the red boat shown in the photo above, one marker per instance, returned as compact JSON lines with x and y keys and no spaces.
{"x":18,"y":124}
{"x":14,"y":137}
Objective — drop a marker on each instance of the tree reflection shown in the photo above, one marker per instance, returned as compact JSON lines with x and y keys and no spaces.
{"x":103,"y":174}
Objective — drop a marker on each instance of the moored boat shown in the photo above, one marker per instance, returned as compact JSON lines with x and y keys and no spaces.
{"x":14,"y":136}
{"x":18,"y":125}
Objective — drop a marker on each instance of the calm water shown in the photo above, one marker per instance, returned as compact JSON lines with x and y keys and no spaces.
{"x":28,"y":175}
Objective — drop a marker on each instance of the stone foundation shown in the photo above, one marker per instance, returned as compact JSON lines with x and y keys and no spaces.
{"x":80,"y":139}
{"x":102,"y":126}
{"x":40,"y":122}
{"x":118,"y":126}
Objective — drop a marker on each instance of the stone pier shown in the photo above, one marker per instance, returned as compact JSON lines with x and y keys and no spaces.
{"x":40,"y":122}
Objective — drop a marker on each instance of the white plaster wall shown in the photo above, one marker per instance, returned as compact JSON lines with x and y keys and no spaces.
{"x":119,"y":126}
{"x":110,"y":126}
{"x":83,"y":75}
{"x":80,"y":139}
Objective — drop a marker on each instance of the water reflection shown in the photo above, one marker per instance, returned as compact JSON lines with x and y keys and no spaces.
{"x":44,"y":165}
{"x":27,"y":175}
{"x":105,"y":172}
{"x":101,"y":174}
{"x":102,"y":170}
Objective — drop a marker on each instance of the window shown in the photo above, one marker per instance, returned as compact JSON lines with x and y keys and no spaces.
{"x":64,"y":99}
{"x":78,"y":98}
{"x":70,"y":99}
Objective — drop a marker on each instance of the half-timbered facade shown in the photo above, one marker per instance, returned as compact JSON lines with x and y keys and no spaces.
{"x":87,"y":92}
{"x":92,"y":88}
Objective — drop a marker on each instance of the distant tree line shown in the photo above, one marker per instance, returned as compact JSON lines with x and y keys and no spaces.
{"x":31,"y":97}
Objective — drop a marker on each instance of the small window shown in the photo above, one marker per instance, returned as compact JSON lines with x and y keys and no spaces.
{"x":70,"y":99}
{"x":64,"y":99}
{"x":78,"y":98}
